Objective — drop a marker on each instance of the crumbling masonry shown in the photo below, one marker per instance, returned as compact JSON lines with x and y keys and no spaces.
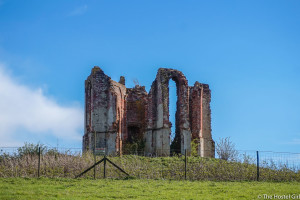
{"x":126,"y":119}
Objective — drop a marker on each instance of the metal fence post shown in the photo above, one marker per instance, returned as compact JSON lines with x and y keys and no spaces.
{"x":95,"y":155}
{"x":257,"y":165}
{"x":162,"y":169}
{"x":104,"y":167}
{"x":39,"y":162}
{"x":185,"y":163}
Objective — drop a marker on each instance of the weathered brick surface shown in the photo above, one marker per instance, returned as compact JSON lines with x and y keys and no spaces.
{"x":200,"y":119}
{"x":118,"y":115}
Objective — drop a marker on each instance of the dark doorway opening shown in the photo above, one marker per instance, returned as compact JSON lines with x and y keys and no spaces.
{"x":133,"y":133}
{"x":135,"y":143}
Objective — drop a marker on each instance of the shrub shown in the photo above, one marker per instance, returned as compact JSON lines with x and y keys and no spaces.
{"x":226,"y":149}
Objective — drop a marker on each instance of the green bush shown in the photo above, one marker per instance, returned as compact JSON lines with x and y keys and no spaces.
{"x":31,"y":149}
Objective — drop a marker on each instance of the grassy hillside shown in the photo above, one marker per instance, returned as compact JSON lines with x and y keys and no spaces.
{"x":64,"y":165}
{"x":62,"y":188}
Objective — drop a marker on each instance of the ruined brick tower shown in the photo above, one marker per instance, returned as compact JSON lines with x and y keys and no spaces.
{"x":126,"y":119}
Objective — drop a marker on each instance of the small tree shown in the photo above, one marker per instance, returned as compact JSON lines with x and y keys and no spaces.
{"x":226,"y":149}
{"x":31,"y":149}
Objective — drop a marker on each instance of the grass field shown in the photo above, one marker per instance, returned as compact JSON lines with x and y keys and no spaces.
{"x":63,"y":188}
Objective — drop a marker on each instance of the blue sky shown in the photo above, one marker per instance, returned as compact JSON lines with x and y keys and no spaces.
{"x":247,"y":51}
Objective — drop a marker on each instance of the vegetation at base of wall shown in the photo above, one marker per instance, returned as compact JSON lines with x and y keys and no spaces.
{"x":134,"y":146}
{"x":62,"y":188}
{"x":66,"y":165}
{"x":194,"y":147}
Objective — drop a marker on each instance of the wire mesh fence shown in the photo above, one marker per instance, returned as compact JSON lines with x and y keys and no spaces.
{"x":69,"y":162}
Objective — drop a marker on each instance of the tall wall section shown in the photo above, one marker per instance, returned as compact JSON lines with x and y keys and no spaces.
{"x":162,"y":126}
{"x":200,"y":119}
{"x":104,"y":113}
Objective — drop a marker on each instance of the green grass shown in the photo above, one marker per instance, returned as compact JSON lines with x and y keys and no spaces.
{"x":63,"y":188}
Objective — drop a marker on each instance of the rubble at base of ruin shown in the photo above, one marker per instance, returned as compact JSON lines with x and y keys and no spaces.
{"x":123,"y":120}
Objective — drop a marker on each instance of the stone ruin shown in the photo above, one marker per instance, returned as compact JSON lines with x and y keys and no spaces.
{"x":130,"y":119}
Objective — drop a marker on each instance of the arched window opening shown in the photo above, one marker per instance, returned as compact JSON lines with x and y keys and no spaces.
{"x":172,"y":109}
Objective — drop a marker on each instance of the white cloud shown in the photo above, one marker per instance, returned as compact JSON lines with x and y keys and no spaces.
{"x":23,"y":108}
{"x":79,"y":10}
